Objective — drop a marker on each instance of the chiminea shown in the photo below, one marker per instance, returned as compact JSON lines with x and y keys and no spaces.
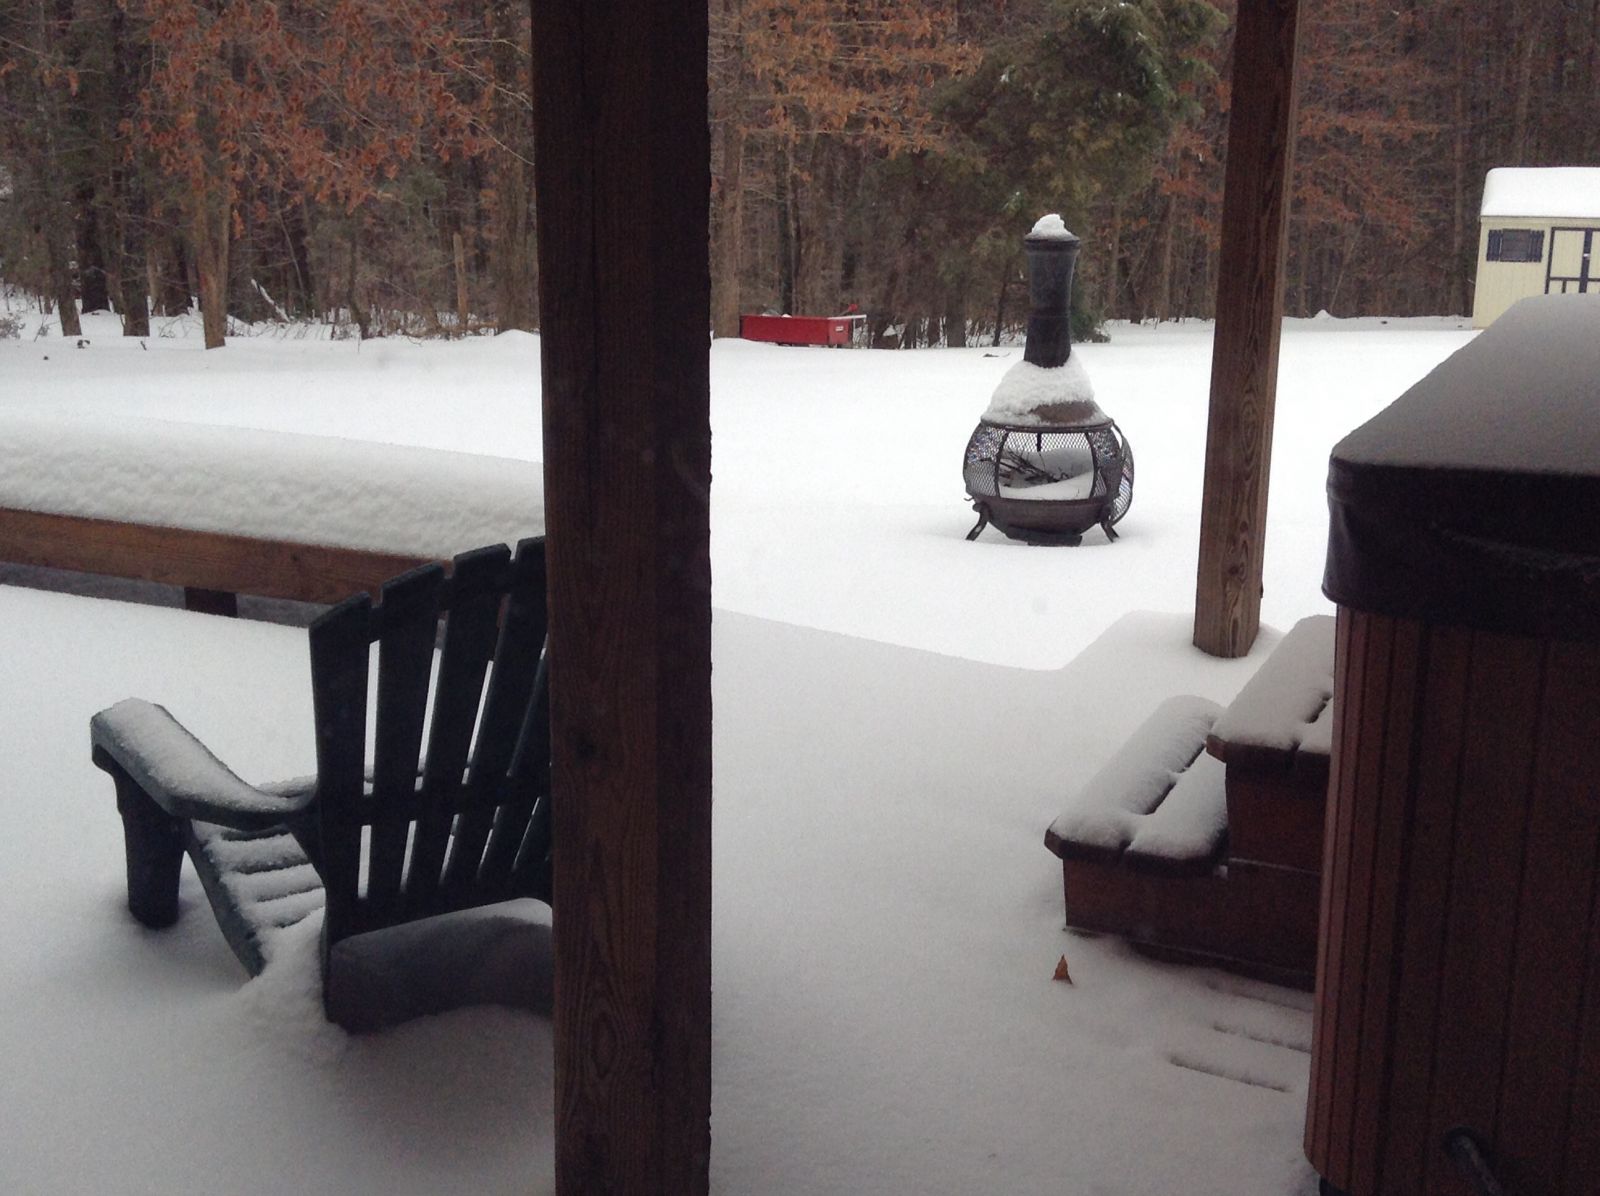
{"x":1045,"y":464}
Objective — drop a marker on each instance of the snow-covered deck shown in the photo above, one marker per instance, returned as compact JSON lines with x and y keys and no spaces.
{"x":900,"y":714}
{"x":886,"y":928}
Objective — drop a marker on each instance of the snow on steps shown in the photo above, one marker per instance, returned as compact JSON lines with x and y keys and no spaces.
{"x":1159,"y":804}
{"x":1284,"y":714}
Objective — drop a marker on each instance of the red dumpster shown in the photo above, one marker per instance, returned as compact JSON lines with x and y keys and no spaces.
{"x":798,"y":330}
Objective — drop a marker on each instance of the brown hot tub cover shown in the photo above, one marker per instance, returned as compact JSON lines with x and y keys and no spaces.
{"x":1475,"y":498}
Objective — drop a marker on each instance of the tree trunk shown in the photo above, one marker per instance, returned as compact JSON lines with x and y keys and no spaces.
{"x":787,"y":252}
{"x":210,"y":233}
{"x":1000,"y":301}
{"x":46,"y":201}
{"x":1352,"y":239}
{"x":1169,"y":230}
{"x":1458,"y":180}
{"x":133,"y":259}
{"x":61,"y":281}
{"x":513,"y":266}
{"x":1302,"y":288}
{"x":729,"y":244}
{"x":1523,"y":97}
{"x":463,"y":310}
{"x":303,"y":301}
{"x":92,"y":283}
{"x":173,"y":289}
{"x":1593,"y":25}
{"x":798,"y":233}
{"x":129,"y":56}
{"x":955,"y":317}
{"x":819,"y":231}
{"x":133,"y":267}
{"x":358,"y":313}
{"x":1113,"y":286}
{"x":248,"y":299}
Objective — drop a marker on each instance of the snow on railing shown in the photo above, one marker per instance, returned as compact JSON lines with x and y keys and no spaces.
{"x":267,"y":484}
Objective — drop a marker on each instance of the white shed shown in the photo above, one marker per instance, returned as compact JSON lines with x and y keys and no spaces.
{"x":1540,"y":235}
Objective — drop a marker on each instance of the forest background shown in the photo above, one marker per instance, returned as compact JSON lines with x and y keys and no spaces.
{"x":368,"y":163}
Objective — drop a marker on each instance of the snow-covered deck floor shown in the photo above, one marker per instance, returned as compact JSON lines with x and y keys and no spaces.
{"x":886,"y":928}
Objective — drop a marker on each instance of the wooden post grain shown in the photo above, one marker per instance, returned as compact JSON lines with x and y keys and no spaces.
{"x":623,"y":187}
{"x":1244,"y":367}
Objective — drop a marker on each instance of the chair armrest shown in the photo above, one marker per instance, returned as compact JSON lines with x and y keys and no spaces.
{"x":179,"y":774}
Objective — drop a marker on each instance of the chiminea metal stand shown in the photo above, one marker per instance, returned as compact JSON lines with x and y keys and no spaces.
{"x":1046,"y":472}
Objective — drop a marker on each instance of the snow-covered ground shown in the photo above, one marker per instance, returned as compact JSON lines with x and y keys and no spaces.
{"x":837,"y":491}
{"x":900,"y":714}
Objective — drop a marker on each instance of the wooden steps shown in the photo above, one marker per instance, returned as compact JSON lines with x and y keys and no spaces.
{"x":1202,"y":837}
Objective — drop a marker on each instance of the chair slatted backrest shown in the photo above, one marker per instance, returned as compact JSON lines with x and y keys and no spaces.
{"x":468,"y":821}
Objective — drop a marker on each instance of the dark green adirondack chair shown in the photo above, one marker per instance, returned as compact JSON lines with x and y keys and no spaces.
{"x":387,"y":838}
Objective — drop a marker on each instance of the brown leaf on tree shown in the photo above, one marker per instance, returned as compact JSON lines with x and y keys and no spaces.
{"x":1061,"y":971}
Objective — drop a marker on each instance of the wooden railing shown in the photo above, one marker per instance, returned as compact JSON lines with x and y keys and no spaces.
{"x":212,"y":567}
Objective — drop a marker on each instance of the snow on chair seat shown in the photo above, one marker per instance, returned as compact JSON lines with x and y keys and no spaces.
{"x":1158,"y":805}
{"x":258,"y":882}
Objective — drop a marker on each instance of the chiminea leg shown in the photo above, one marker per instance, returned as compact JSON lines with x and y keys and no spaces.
{"x":983,"y":522}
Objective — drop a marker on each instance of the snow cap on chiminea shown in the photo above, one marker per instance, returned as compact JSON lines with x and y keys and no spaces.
{"x":1052,"y":251}
{"x":1049,"y":385}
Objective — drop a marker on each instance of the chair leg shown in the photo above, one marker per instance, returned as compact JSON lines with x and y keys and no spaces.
{"x":154,"y":842}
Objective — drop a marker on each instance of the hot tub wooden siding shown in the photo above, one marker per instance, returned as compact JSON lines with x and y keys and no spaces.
{"x":1460,"y":936}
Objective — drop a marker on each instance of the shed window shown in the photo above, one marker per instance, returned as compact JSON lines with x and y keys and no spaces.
{"x":1516,"y":245}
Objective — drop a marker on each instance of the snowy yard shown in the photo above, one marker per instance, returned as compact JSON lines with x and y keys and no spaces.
{"x":899,"y":715}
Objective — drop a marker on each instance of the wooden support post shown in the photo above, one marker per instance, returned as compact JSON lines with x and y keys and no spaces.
{"x":623,"y":189}
{"x":1244,"y":366}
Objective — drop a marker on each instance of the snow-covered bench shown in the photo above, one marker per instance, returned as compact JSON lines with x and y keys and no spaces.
{"x":1201,"y":837}
{"x":224,"y":510}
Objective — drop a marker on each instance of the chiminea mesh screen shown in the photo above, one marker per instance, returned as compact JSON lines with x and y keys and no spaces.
{"x":1048,"y":484}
